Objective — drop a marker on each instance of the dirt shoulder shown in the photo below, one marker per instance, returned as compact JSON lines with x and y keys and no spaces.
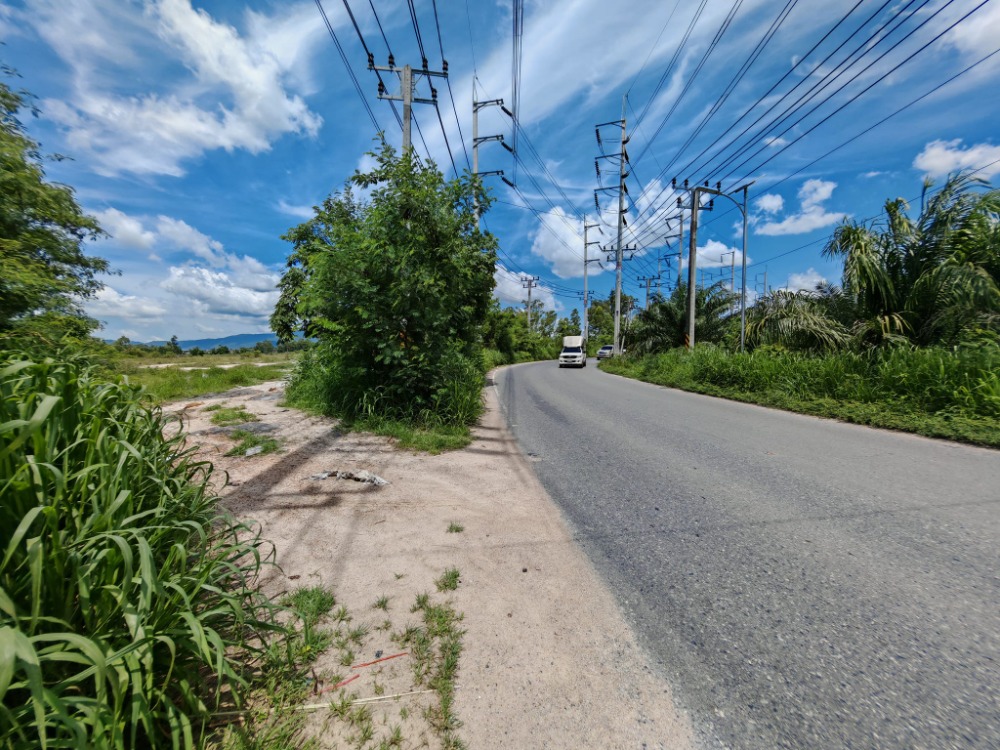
{"x":547,"y":659}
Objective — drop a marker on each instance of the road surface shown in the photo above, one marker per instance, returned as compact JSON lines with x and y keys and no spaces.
{"x":803,"y":583}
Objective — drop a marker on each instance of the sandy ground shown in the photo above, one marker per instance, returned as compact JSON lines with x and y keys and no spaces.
{"x":547,"y":660}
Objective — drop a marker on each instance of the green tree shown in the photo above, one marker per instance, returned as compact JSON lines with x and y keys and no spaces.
{"x":664,"y":325}
{"x":397,"y":289}
{"x":933,"y":279}
{"x":44,"y":272}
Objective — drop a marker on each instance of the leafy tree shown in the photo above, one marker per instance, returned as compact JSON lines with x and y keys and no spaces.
{"x":930,"y":280}
{"x":219,"y":349}
{"x":397,"y":289}
{"x":664,"y":325}
{"x":43,"y":269}
{"x":264,"y":347}
{"x":172,"y":346}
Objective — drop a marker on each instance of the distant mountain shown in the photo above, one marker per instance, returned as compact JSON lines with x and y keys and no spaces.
{"x":237,"y":341}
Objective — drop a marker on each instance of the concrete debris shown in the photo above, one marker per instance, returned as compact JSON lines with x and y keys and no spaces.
{"x":358,"y":476}
{"x":254,"y":451}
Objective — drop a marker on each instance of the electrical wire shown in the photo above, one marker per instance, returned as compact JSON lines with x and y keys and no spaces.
{"x":444,"y":66}
{"x":350,"y":71}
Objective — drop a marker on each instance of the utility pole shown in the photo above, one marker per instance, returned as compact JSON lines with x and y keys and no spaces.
{"x":692,"y":273}
{"x":649,"y":280}
{"x":586,"y":263}
{"x":476,"y":140}
{"x":679,"y":236}
{"x":408,"y":78}
{"x":622,"y":174}
{"x":529,"y":283}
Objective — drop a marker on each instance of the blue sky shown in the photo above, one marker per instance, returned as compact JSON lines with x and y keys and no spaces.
{"x":199,"y":132}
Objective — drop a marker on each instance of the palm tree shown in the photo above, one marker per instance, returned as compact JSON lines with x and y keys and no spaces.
{"x":663,"y":325}
{"x":928,"y":280}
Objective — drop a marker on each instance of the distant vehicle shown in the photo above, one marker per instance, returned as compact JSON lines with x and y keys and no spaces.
{"x":573,"y":354}
{"x":605,"y":352}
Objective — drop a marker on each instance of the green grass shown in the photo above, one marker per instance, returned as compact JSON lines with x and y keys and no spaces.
{"x":455,"y":528}
{"x":225,"y":416}
{"x":933,"y":392}
{"x":433,"y":439}
{"x":171,"y":384}
{"x":129,"y":607}
{"x":448,"y":580}
{"x":381,"y":603}
{"x":435,"y":647}
{"x":245,"y":440}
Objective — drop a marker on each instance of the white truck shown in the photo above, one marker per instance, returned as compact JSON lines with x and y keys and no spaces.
{"x":573,"y":354}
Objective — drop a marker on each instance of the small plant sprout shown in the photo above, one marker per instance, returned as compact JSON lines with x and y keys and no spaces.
{"x":448,"y":580}
{"x":382,"y":603}
{"x":455,"y":528}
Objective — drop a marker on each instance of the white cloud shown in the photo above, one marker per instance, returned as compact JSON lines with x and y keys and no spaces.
{"x":183,"y":236}
{"x":218,"y":292}
{"x":110,"y":303}
{"x":509,"y":289}
{"x":805,"y":281}
{"x":715,"y":254}
{"x":233,"y":98}
{"x":814,"y":192}
{"x":811,"y":215}
{"x":978,"y":36}
{"x":775,"y":142}
{"x":941,"y":158}
{"x":873,"y":173}
{"x":770,"y":203}
{"x":299,"y":212}
{"x":559,"y":241}
{"x":126,"y":230}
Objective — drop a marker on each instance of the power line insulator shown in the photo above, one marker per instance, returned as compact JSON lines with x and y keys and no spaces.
{"x":597,"y":203}
{"x":381,"y":88}
{"x":371,"y":61}
{"x":434,"y":93}
{"x":392,"y":61}
{"x":444,"y":67}
{"x":424,"y":61}
{"x":718,"y":186}
{"x":597,"y":167}
{"x":597,"y":131}
{"x":673,"y":183}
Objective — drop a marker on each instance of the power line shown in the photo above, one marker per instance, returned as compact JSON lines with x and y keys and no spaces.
{"x":350,"y":70}
{"x":444,"y":66}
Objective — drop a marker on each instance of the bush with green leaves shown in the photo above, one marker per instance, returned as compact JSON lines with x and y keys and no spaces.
{"x":128,"y":603}
{"x":396,"y":288}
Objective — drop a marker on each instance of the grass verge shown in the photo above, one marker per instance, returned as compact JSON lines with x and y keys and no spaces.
{"x":933,"y":393}
{"x":245,"y":440}
{"x":171,"y":383}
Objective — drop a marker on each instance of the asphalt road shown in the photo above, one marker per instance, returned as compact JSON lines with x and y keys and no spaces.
{"x":802,"y":583}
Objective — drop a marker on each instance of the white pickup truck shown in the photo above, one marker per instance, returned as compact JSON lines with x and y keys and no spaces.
{"x":573,"y":353}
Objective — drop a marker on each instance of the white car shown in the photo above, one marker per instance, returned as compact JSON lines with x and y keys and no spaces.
{"x":605,"y":352}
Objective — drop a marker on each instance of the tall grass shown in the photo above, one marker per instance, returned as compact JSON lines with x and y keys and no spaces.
{"x":935,"y":391}
{"x":128,"y":604}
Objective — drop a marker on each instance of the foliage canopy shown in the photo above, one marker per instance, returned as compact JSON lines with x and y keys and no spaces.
{"x":44,"y":272}
{"x":396,"y":287}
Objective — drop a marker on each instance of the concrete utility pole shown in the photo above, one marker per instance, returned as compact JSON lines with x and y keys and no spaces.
{"x":679,"y":236}
{"x":649,"y":280}
{"x":692,"y":273}
{"x":476,"y":140}
{"x":586,"y":263}
{"x":622,"y":174}
{"x":408,"y":78}
{"x":529,"y":283}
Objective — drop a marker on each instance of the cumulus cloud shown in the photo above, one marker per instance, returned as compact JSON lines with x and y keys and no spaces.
{"x":941,"y":158}
{"x":109,"y":303}
{"x":775,"y":142}
{"x":509,"y":290}
{"x":234,"y":97}
{"x":770,"y":203}
{"x":218,"y":292}
{"x":183,"y":236}
{"x":811,"y":215}
{"x":805,"y":281}
{"x":559,"y":241}
{"x":126,"y":230}
{"x":715,"y":254}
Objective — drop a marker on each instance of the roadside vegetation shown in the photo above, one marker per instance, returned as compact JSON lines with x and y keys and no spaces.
{"x":131,"y":613}
{"x":395,"y":288}
{"x":910,"y":341}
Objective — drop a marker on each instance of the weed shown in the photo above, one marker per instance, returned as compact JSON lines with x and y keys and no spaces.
{"x":455,"y":528}
{"x":341,"y":615}
{"x":399,"y":576}
{"x":422,"y":601}
{"x":448,"y":580}
{"x":230,"y":415}
{"x":382,"y":603}
{"x":247,"y":440}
